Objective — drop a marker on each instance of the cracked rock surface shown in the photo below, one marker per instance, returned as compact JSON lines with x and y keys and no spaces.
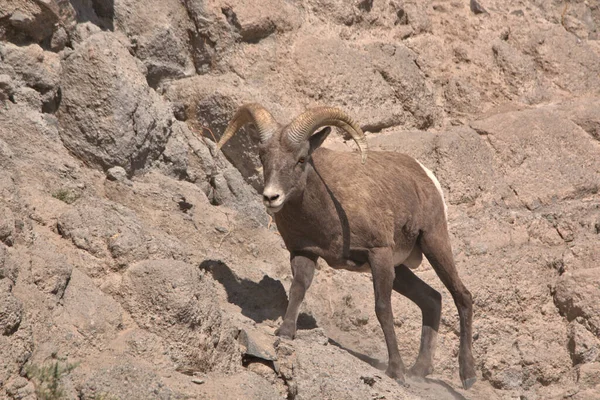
{"x":142,"y":265}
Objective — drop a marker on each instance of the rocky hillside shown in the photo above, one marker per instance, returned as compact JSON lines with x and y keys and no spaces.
{"x":137,"y":264}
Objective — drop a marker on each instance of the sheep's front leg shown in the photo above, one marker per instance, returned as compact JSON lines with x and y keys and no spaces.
{"x":382,"y":267}
{"x":303,"y":270}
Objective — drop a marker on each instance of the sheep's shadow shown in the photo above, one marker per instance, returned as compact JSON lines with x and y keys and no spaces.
{"x":442,"y":389}
{"x":265,"y":300}
{"x":373,"y":362}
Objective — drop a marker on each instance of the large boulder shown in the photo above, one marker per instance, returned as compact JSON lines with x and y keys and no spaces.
{"x":159,"y":31}
{"x":177,"y":302}
{"x":109,"y":115}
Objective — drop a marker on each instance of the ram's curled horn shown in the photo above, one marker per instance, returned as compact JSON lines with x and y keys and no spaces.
{"x":250,"y":113}
{"x":308,"y":122}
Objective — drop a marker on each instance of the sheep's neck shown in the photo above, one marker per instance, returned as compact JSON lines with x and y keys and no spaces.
{"x":310,"y":222}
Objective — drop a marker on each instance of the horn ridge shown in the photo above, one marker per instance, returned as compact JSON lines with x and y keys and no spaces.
{"x":250,"y":113}
{"x":301,"y":128}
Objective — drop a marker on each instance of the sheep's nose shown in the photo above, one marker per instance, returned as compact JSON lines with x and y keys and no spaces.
{"x":270,"y":197}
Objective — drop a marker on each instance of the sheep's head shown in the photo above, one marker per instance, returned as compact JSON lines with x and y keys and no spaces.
{"x":285,"y":151}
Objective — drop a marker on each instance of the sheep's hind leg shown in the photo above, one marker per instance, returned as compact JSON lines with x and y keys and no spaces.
{"x":429,"y":301}
{"x":436,"y":247}
{"x":303,"y":270}
{"x":382,"y":267}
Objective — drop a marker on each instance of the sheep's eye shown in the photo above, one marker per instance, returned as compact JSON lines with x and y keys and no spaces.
{"x":301,"y":160}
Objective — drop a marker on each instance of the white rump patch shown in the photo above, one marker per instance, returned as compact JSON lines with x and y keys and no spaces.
{"x":437,"y":185}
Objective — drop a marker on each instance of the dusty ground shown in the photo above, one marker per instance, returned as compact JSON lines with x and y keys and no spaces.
{"x":135,"y":264}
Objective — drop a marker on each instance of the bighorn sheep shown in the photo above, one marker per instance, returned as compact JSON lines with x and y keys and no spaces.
{"x":379,"y":215}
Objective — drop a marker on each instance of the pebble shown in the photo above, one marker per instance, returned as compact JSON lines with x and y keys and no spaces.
{"x":116,"y":174}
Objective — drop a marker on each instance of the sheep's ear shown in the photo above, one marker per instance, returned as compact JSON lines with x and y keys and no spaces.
{"x":318,"y":138}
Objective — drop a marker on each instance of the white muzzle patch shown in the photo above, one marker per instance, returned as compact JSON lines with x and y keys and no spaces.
{"x":273,"y":198}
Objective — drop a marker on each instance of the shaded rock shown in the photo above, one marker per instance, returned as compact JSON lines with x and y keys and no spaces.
{"x":7,"y":226}
{"x":116,"y":174}
{"x":477,"y":8}
{"x":190,"y":157}
{"x":585,"y":114}
{"x":4,"y":273}
{"x":256,"y":344}
{"x":28,"y":20}
{"x":215,"y":113}
{"x":210,"y":103}
{"x":60,"y":38}
{"x":260,"y":299}
{"x":159,"y":31}
{"x":11,"y":311}
{"x":577,"y":295}
{"x":583,"y":346}
{"x":175,"y":301}
{"x":7,"y":88}
{"x":96,"y":12}
{"x":32,"y":65}
{"x":212,"y":38}
{"x":102,"y":76}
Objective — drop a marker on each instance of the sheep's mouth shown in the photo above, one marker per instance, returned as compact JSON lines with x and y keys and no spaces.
{"x":274,"y":209}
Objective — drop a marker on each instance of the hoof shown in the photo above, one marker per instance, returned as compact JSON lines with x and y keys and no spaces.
{"x":467,"y":383}
{"x":396,"y":373}
{"x":285,"y":333}
{"x":420,"y":371}
{"x":402,"y":382}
